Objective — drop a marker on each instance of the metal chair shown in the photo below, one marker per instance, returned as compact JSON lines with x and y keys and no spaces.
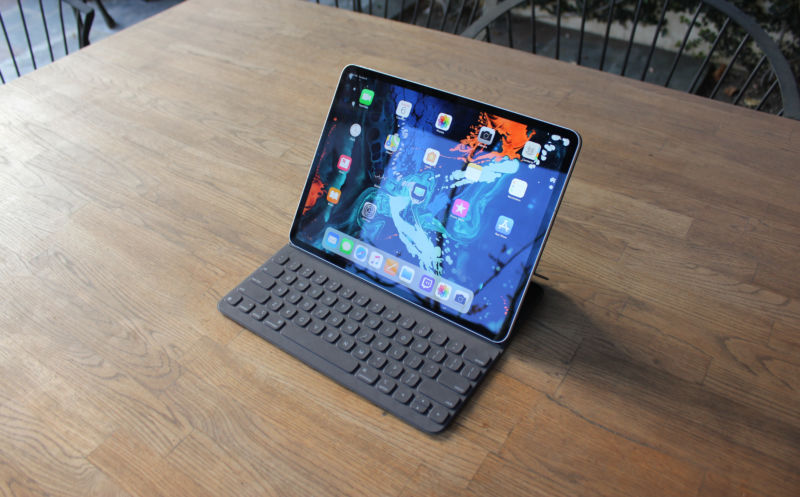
{"x":30,"y":34}
{"x":728,"y":77}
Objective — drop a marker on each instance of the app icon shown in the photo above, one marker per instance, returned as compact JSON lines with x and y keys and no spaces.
{"x":443,"y":121}
{"x":460,"y":208}
{"x":517,"y":188}
{"x":531,"y":150}
{"x":460,"y":297}
{"x":344,"y":163}
{"x":366,"y":97}
{"x":403,"y":109}
{"x":347,"y":246}
{"x":426,"y":283}
{"x":486,"y":135}
{"x":375,"y":260}
{"x":332,"y":240}
{"x":391,"y":267}
{"x":473,"y":172}
{"x":418,"y":192}
{"x":392,"y":142}
{"x":431,"y":157}
{"x":361,"y":253}
{"x":368,"y":210}
{"x":333,"y":195}
{"x":504,"y":225}
{"x":406,"y":274}
{"x":443,"y":290}
{"x":355,"y":130}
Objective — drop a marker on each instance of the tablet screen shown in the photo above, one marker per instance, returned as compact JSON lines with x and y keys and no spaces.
{"x":443,"y":201}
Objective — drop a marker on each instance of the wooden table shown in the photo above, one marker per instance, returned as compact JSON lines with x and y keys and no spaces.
{"x":143,"y":177}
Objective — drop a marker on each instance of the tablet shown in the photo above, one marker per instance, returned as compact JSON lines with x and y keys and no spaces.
{"x":440,"y":200}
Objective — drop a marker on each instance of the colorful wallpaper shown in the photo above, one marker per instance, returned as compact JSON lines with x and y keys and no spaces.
{"x":410,"y":173}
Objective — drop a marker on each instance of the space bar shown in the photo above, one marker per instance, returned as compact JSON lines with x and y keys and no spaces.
{"x":321,"y":348}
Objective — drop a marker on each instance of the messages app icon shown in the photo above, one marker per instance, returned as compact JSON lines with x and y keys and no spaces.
{"x":366,"y":97}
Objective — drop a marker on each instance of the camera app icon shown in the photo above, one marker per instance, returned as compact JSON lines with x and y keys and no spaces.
{"x":460,"y":298}
{"x":486,"y":135}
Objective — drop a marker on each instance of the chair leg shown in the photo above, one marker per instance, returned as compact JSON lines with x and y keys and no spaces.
{"x":110,"y":22}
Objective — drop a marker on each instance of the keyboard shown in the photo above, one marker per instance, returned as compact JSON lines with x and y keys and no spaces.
{"x":408,"y":362}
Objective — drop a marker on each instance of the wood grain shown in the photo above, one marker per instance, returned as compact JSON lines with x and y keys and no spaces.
{"x":143,"y":177}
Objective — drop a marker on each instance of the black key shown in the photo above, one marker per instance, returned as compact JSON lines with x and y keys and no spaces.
{"x":420,"y":346}
{"x":413,"y":361}
{"x":365,"y":336}
{"x":388,"y":330}
{"x":280,"y":290}
{"x":455,"y":346}
{"x":350,"y":328}
{"x":422,"y":331}
{"x":302,"y":285}
{"x":302,"y":320}
{"x":367,"y":375}
{"x":259,"y":314}
{"x":454,"y":363}
{"x":347,"y":293}
{"x":319,"y":279}
{"x":288,"y":278}
{"x":281,"y":259}
{"x":331,"y":336}
{"x":288,"y":312}
{"x":362,"y":300}
{"x":454,"y":382}
{"x":321,"y":313}
{"x":312,"y":343}
{"x":273,"y":270}
{"x":372,"y":322}
{"x":391,"y":315}
{"x":403,"y":395}
{"x":436,"y":354}
{"x":361,"y":352}
{"x":316,"y":328}
{"x":233,"y":299}
{"x":274,"y":322}
{"x":308,"y":305}
{"x":333,"y":285}
{"x":412,"y":379}
{"x":377,"y":361}
{"x":421,"y":405}
{"x":329,"y":299}
{"x":263,"y":281}
{"x":438,"y":338}
{"x":294,"y":298}
{"x":440,"y":394}
{"x":347,"y":343}
{"x":307,"y":272}
{"x":254,"y":292}
{"x":294,"y":266}
{"x":394,"y":369}
{"x":471,"y":372}
{"x":315,"y":292}
{"x":376,"y":307}
{"x":404,"y":338}
{"x":275,"y":305}
{"x":438,"y":415}
{"x":430,"y":369}
{"x":407,"y":322}
{"x":343,"y":307}
{"x":246,"y":306}
{"x":335,"y":320}
{"x":478,"y":357}
{"x":381,"y":344}
{"x":397,"y":352}
{"x":387,"y":386}
{"x":358,"y":315}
